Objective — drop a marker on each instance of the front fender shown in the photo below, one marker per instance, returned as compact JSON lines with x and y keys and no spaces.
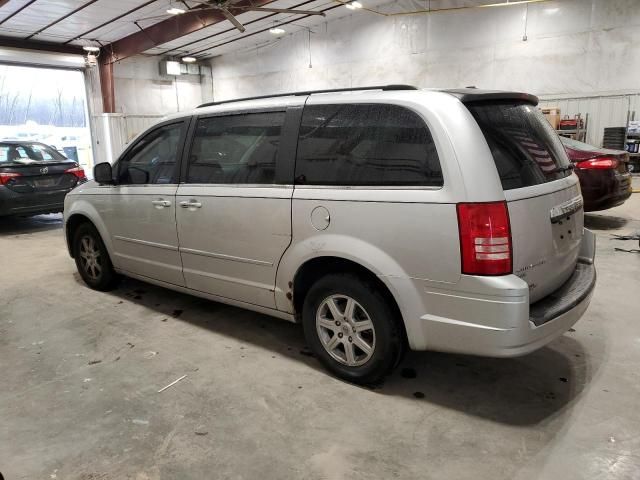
{"x":78,"y":205}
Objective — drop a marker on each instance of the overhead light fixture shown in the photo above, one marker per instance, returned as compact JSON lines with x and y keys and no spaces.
{"x":175,"y":11}
{"x":353,"y":5}
{"x":89,"y":48}
{"x":189,"y":59}
{"x":511,"y":3}
{"x":277,"y":30}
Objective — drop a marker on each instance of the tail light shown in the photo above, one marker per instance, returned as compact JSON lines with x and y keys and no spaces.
{"x":5,"y":177}
{"x":485,"y":238}
{"x":78,"y":172}
{"x":598,"y":163}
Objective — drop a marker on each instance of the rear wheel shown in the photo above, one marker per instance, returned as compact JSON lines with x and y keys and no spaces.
{"x":351,"y":328}
{"x":92,"y":259}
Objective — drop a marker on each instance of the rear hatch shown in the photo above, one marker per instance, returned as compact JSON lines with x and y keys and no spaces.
{"x":543,"y":197}
{"x":31,"y":168}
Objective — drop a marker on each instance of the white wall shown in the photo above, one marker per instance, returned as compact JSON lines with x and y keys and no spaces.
{"x":143,"y":97}
{"x":141,"y":90}
{"x":573,"y":48}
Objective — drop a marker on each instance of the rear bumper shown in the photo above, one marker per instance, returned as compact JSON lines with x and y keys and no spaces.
{"x":492,"y":316}
{"x":13,"y":203}
{"x":604,"y":189}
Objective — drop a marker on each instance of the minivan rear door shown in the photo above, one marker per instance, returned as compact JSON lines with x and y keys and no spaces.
{"x":543,"y":196}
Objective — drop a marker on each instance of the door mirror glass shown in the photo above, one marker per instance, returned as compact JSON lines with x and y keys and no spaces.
{"x":102,"y":173}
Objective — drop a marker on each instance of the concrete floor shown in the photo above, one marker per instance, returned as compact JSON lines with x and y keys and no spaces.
{"x":81,"y":372}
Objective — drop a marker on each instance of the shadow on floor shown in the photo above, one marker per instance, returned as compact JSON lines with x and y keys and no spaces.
{"x":25,"y":225}
{"x":520,"y":391}
{"x":604,"y":222}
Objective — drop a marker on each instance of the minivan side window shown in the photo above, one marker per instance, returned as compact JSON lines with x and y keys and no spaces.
{"x":236,"y":149}
{"x":152,"y":160}
{"x":365,"y":145}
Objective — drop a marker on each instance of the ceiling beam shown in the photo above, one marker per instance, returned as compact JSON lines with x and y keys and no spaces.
{"x":206,"y":57}
{"x":175,"y":49}
{"x":13,"y":42}
{"x":17,"y":11}
{"x":72,"y":12}
{"x":111,"y":20}
{"x":170,"y":29}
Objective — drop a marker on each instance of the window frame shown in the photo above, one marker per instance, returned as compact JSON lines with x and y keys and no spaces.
{"x":285,"y":159}
{"x":126,"y":154}
{"x":374,"y":187}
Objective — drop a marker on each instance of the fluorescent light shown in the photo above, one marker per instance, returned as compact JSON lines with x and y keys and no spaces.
{"x":89,"y":48}
{"x":277,"y":30}
{"x":353,"y":5}
{"x":188,"y":59}
{"x":175,"y":11}
{"x":508,"y":4}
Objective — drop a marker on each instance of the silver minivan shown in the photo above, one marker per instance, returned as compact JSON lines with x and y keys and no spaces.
{"x":380,"y":218}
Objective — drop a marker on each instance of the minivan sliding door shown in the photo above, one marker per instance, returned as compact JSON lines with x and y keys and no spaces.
{"x":234,"y":206}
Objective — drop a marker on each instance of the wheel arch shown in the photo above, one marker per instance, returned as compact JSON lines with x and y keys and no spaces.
{"x":84,"y":212}
{"x":317,"y":267}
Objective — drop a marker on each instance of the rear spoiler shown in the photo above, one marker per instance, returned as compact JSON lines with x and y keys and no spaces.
{"x":472,"y":95}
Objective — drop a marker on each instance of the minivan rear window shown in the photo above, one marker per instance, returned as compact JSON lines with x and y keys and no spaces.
{"x":525,"y":148}
{"x":366,"y":145}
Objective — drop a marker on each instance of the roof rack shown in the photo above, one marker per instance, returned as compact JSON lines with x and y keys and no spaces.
{"x":311,"y":92}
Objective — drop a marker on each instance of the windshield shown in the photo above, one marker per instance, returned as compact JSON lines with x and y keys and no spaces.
{"x":28,"y":153}
{"x":525,"y":148}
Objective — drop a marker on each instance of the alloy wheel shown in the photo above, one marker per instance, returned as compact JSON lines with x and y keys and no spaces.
{"x":345,"y":330}
{"x":90,"y":257}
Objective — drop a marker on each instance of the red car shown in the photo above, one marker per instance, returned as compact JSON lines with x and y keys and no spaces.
{"x":604,"y":175}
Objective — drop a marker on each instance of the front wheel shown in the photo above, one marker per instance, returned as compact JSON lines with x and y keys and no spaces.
{"x":351,"y":328}
{"x":92,"y":259}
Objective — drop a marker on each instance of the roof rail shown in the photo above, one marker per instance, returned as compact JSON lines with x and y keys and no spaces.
{"x":311,"y":92}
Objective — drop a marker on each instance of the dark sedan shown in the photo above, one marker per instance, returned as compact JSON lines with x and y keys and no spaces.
{"x":604,"y":176}
{"x":34,"y":178}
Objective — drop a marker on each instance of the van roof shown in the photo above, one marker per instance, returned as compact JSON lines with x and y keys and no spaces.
{"x":465,"y":95}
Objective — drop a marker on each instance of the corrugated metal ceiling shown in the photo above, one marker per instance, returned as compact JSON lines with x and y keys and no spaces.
{"x":81,"y":22}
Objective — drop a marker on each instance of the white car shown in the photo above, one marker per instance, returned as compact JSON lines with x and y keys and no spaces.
{"x":379,"y":218}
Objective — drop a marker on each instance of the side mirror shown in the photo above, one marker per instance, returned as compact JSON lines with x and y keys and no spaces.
{"x":103,"y":174}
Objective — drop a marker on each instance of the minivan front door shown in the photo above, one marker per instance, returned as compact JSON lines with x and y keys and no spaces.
{"x":140,"y":210}
{"x":234,"y":207}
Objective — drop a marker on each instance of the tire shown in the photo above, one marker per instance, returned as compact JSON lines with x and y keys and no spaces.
{"x":92,"y":259}
{"x":337,"y":342}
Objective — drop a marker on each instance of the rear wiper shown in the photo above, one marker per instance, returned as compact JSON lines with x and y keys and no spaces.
{"x":571,"y":166}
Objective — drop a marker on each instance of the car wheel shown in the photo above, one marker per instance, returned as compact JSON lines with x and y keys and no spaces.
{"x":92,"y":259}
{"x":351,"y":328}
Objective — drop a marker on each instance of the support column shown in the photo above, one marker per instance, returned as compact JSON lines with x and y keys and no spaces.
{"x":106,"y":85}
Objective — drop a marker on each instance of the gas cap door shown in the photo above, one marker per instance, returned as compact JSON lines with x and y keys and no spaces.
{"x":320,"y":218}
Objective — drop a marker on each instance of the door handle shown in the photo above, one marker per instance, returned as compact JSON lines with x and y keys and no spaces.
{"x":190,"y":204}
{"x":161,"y":203}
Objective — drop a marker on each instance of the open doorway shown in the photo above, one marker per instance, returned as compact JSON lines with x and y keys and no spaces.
{"x":47,"y":105}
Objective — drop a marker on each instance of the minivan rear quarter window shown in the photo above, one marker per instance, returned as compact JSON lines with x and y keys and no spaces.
{"x":365,"y":145}
{"x":525,"y":148}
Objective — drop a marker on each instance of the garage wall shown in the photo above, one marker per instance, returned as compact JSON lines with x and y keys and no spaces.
{"x":141,"y":90}
{"x":143,"y":97}
{"x":599,"y":111}
{"x":573,"y":48}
